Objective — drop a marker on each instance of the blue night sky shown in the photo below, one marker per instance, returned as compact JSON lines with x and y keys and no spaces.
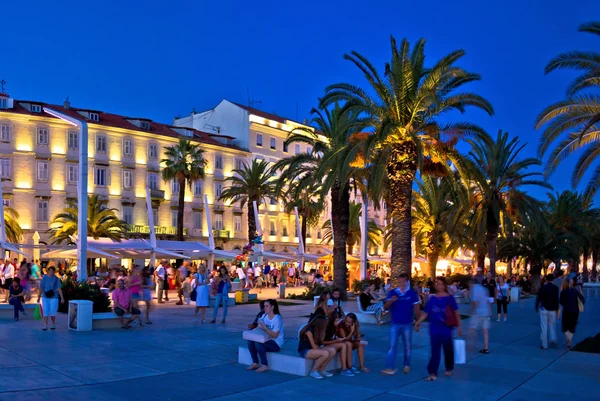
{"x":159,"y":59}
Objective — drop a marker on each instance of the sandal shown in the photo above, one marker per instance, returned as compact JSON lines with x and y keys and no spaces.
{"x":448,"y":373}
{"x":365,"y":370}
{"x":148,"y":322}
{"x":431,"y":379}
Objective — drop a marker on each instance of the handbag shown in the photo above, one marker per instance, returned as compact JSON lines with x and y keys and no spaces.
{"x":451,"y":317}
{"x":257,"y":335}
{"x":460,"y":351}
{"x":193,"y":295}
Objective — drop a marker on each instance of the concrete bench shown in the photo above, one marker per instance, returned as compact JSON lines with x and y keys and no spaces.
{"x":107,"y":320}
{"x":591,"y":285}
{"x":368,"y":317}
{"x":7,"y":311}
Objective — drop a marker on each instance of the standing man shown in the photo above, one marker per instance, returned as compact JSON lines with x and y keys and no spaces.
{"x":547,"y":305}
{"x":480,"y":314}
{"x":266,"y":273}
{"x":184,"y":270}
{"x":159,"y":275}
{"x":291,"y":271}
{"x":403,"y":304}
{"x":9,"y":275}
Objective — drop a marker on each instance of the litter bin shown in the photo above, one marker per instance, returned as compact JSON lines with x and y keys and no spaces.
{"x":281,"y":291}
{"x":80,"y":315}
{"x":515,"y":294}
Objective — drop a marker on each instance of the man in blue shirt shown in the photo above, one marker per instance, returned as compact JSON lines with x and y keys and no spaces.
{"x":403,"y":304}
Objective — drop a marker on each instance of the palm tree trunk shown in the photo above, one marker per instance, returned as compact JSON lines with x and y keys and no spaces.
{"x":536,"y":278}
{"x":594,"y":264}
{"x":251,"y":221}
{"x":432,"y":259}
{"x":492,"y":239}
{"x":350,"y":247}
{"x":401,"y":171}
{"x":303,"y":228}
{"x":180,"y":209}
{"x":340,"y":221}
{"x":586,"y":256}
{"x":480,"y":260}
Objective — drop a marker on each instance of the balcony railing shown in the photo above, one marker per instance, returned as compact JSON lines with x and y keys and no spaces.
{"x":157,"y":194}
{"x":221,"y":233}
{"x":137,"y":229}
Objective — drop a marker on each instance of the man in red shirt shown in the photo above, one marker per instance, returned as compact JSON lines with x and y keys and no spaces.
{"x":121,"y":297}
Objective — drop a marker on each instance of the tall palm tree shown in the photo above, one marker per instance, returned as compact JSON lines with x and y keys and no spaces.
{"x":327,"y":166}
{"x":575,"y":119}
{"x":354,"y":230}
{"x":251,"y":183}
{"x":303,"y":194}
{"x":103,"y":222}
{"x":496,"y":178}
{"x":14,"y":232}
{"x":438,"y":207}
{"x":403,"y":107}
{"x":184,"y":163}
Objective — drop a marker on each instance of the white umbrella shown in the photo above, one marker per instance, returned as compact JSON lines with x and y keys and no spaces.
{"x":71,"y":253}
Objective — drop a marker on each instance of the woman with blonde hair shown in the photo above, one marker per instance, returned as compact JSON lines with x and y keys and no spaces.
{"x":571,"y":300}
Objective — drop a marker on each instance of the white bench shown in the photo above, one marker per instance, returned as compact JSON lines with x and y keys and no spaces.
{"x":368,"y":317}
{"x":107,"y":320}
{"x":7,"y":310}
{"x":591,"y":285}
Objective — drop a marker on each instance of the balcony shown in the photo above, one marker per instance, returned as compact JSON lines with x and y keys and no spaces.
{"x":145,"y":230}
{"x":221,"y":234}
{"x":157,"y":194}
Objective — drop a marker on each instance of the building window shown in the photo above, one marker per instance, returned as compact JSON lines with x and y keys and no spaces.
{"x":42,"y":171}
{"x":272,"y":228}
{"x":94,"y":117}
{"x":239,"y":164}
{"x":237,"y":223}
{"x":128,"y":214}
{"x":152,"y":180}
{"x":285,"y":230}
{"x":100,"y":176}
{"x":36,"y":108}
{"x":297,"y":148}
{"x":285,"y":147}
{"x":6,"y":202}
{"x":174,"y":214}
{"x":101,"y":144}
{"x":218,"y":221}
{"x":72,"y":170}
{"x":127,"y":179}
{"x":273,"y":144}
{"x":144,"y":124}
{"x":174,"y":186}
{"x":198,"y":220}
{"x":309,"y":150}
{"x":218,"y":162}
{"x":3,"y":103}
{"x":259,"y":140}
{"x":73,"y":140}
{"x":5,"y":133}
{"x":42,"y":136}
{"x":198,"y":189}
{"x":127,"y":147}
{"x":218,"y":190}
{"x":42,"y":210}
{"x":152,"y":151}
{"x":5,"y":167}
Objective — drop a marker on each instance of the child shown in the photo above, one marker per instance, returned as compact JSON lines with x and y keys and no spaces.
{"x":187,"y":289}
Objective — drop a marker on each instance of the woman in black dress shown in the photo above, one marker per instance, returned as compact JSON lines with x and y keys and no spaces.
{"x":570,"y":300}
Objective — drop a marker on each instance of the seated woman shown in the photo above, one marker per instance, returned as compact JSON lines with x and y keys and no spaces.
{"x":349,"y":330}
{"x":272,"y":323}
{"x":321,"y":308}
{"x":311,"y":346}
{"x":339,"y":344}
{"x":370,"y":302}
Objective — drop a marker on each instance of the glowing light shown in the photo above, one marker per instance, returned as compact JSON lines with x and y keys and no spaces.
{"x":228,"y":173}
{"x":23,"y":147}
{"x":272,"y":238}
{"x":140,"y":161}
{"x":58,"y":150}
{"x":23,"y":185}
{"x":115,"y":191}
{"x":25,"y":226}
{"x":58,"y":187}
{"x":188,"y":198}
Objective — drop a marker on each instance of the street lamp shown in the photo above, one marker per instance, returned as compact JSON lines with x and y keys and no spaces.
{"x":82,"y":185}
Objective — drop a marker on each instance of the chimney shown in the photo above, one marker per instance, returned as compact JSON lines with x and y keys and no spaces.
{"x":193,"y":111}
{"x":67,"y":104}
{"x":305,"y":121}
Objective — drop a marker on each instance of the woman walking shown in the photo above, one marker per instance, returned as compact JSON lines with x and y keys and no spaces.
{"x":443,"y":317}
{"x":221,"y":287}
{"x":135,"y":285}
{"x":201,"y":287}
{"x":502,"y":297}
{"x":147,"y":286}
{"x":570,"y":300}
{"x":49,"y":292}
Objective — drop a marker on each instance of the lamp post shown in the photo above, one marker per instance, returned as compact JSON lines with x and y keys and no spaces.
{"x":82,"y":186}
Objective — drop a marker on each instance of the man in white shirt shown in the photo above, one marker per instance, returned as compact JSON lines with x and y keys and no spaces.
{"x":241,"y":275}
{"x":9,"y":274}
{"x":480,"y":314}
{"x":159,"y":275}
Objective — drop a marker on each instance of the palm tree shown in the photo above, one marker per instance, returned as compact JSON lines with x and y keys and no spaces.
{"x":184,"y":163}
{"x":253,"y":183}
{"x":576,"y":117}
{"x":438,"y":207}
{"x":329,"y":167}
{"x":303,"y":194}
{"x":354,"y":230}
{"x":403,"y":109}
{"x":14,"y":232}
{"x":103,"y":222}
{"x":496,"y":178}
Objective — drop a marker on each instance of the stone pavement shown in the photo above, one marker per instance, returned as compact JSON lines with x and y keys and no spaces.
{"x":178,"y":359}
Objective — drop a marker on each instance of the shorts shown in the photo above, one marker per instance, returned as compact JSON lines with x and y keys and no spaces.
{"x":482,"y":322}
{"x":303,"y":353}
{"x":136,"y":297}
{"x":120,"y":312}
{"x":49,"y":306}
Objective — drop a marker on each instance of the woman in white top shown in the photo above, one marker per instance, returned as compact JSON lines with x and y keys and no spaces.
{"x":502,"y":297}
{"x":201,"y":285}
{"x":272,"y":323}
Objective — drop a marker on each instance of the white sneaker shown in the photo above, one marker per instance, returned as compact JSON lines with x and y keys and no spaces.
{"x":498,"y":320}
{"x":315,"y":374}
{"x":326,"y":374}
{"x":347,"y":373}
{"x":505,"y":319}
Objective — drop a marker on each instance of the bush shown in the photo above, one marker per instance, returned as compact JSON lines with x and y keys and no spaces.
{"x":73,"y":289}
{"x":311,"y":292}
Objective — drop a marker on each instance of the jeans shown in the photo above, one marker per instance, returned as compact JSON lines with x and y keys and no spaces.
{"x":221,"y":298}
{"x":548,"y":321}
{"x":397,"y":330}
{"x":260,"y":350}
{"x":16,"y":302}
{"x":439,"y":340}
